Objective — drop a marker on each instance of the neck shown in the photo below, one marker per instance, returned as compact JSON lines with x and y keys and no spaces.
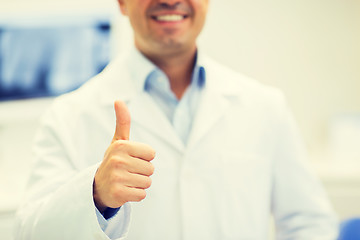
{"x":178,"y":67}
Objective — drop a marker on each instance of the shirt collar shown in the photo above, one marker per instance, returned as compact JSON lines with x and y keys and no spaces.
{"x":133,"y":65}
{"x":142,"y":70}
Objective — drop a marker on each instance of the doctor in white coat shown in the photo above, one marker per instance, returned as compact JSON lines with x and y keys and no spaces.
{"x":192,"y":151}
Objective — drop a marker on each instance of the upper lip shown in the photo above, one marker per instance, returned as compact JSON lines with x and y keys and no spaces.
{"x":162,"y":9}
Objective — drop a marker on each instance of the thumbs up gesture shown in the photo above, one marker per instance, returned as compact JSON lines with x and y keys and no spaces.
{"x":125,"y":171}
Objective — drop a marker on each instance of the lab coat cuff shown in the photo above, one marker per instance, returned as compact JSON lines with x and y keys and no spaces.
{"x":103,"y":218}
{"x":117,"y":226}
{"x":102,"y":221}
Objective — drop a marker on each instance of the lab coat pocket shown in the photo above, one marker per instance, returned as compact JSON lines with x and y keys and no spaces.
{"x":246,"y":195}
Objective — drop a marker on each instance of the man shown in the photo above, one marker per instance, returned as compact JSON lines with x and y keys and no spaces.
{"x":227,"y":153}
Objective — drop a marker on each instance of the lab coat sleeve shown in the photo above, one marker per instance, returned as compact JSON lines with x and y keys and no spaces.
{"x":59,"y":202}
{"x":300,"y":206}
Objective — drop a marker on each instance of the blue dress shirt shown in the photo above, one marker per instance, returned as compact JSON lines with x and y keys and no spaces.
{"x":179,"y":112}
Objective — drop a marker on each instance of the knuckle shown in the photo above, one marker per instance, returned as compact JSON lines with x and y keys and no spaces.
{"x":117,"y":162}
{"x":120,"y":163}
{"x":117,"y":179}
{"x":120,"y":178}
{"x":120,"y":144}
{"x":113,"y":160}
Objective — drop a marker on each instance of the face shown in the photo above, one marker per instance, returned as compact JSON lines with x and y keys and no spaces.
{"x":165,"y":26}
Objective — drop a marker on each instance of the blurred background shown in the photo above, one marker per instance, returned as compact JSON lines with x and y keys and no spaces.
{"x":309,"y":49}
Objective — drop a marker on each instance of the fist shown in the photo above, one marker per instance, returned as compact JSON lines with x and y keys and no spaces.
{"x":125,"y":171}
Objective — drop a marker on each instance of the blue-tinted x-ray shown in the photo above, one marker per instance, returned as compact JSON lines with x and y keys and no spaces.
{"x":48,"y":61}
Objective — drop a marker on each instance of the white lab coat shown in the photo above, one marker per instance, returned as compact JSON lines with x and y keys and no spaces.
{"x":243,"y":163}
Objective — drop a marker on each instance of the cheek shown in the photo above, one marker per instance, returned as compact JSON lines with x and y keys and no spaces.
{"x":201,"y":5}
{"x":200,"y":8}
{"x":138,"y":22}
{"x":200,"y":19}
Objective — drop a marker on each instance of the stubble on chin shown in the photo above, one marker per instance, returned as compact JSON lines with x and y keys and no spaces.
{"x":170,"y":42}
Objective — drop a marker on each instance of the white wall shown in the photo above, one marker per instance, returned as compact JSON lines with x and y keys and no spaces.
{"x":310,"y":49}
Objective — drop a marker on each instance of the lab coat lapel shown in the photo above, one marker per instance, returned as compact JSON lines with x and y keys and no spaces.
{"x":219,"y":94}
{"x":212,"y":107}
{"x":146,"y":113}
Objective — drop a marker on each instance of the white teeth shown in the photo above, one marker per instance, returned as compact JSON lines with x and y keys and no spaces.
{"x":170,"y":18}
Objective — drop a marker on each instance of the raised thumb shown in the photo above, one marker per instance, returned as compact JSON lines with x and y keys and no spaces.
{"x":122,"y":130}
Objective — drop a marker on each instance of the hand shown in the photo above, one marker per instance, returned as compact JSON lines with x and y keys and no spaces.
{"x":125,"y":171}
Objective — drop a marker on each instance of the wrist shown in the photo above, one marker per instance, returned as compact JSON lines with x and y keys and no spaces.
{"x":97,"y":201}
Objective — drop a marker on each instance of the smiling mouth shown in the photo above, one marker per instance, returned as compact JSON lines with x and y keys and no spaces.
{"x":169,"y":18}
